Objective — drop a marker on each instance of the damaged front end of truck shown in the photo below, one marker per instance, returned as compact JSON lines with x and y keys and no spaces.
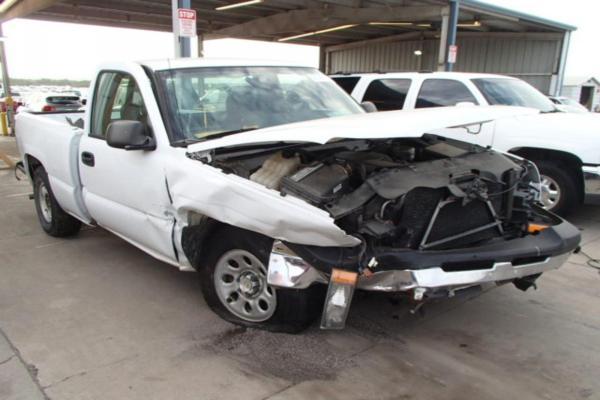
{"x":429,"y":216}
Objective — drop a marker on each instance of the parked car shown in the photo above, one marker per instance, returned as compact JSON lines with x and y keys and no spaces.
{"x":78,"y":93}
{"x":16,"y":98}
{"x":53,"y":102}
{"x":568,"y":105}
{"x":270,"y":181}
{"x":564,"y":146}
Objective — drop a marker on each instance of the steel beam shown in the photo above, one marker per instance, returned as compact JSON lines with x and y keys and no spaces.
{"x":386,"y":39}
{"x":123,"y":22}
{"x":443,"y":44}
{"x":23,"y":8}
{"x":6,"y":84}
{"x":562,"y":63}
{"x":514,"y":35}
{"x":323,"y":56}
{"x":297,"y":21}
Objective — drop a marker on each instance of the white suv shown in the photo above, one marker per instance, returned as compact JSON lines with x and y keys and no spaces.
{"x":564,"y":146}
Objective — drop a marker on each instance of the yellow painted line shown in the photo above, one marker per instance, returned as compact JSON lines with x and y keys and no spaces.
{"x":10,"y":163}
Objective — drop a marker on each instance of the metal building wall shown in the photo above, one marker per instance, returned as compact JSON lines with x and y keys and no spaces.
{"x":385,"y":57}
{"x":531,"y":57}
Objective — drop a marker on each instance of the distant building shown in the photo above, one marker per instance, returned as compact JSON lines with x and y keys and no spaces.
{"x":584,"y":90}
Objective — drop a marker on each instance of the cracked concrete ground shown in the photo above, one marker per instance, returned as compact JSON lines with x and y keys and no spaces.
{"x":94,"y":318}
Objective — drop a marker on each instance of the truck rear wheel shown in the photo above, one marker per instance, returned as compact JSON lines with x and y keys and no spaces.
{"x":560,"y":193}
{"x":53,"y":219}
{"x":233,"y":273}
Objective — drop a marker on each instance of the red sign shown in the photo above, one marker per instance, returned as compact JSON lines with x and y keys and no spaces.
{"x":452,"y":53}
{"x":187,"y":22}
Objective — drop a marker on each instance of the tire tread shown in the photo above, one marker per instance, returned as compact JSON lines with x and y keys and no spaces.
{"x":63,"y":224}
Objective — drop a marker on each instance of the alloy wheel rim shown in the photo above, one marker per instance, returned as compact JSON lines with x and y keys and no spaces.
{"x":240,"y":281}
{"x":45,"y":204}
{"x":551,"y":192}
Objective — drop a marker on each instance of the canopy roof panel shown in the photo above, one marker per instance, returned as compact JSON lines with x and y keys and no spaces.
{"x":316,"y":22}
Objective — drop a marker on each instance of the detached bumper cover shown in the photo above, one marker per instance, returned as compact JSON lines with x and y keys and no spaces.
{"x":424,"y":270}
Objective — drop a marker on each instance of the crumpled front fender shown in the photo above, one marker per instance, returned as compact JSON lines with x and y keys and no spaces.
{"x":200,"y":188}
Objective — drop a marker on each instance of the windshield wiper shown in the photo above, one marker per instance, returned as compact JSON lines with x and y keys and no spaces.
{"x":187,"y":141}
{"x":556,"y":110}
{"x":232,"y":132}
{"x":184,"y":142}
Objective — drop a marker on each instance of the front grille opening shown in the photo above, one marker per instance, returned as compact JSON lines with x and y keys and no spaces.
{"x":466,"y":265}
{"x":528,"y":260}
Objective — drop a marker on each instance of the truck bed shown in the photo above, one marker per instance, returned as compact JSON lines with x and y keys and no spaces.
{"x":54,"y":142}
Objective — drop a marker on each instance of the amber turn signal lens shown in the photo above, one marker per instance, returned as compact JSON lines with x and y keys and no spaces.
{"x":344,"y":277}
{"x":534,"y":228}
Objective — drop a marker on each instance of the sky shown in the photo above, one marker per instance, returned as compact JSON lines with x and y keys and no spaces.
{"x":37,"y":49}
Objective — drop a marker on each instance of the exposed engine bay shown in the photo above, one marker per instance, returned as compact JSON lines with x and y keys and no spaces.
{"x":428,"y":193}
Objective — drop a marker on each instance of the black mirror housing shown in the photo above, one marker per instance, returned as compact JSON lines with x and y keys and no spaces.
{"x":129,"y":135}
{"x":368,"y":106}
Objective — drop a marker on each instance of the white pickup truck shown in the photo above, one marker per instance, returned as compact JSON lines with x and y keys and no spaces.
{"x":564,"y":146}
{"x":204,"y":165}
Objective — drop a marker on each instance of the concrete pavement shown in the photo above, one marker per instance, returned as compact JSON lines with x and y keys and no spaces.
{"x":94,"y":318}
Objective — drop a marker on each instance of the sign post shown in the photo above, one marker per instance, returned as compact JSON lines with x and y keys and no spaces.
{"x":184,"y":27}
{"x":451,"y":36}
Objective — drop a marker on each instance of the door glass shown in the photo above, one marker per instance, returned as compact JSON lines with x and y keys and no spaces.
{"x":117,"y":98}
{"x":512,"y":92}
{"x":347,"y":84}
{"x":442,"y":93}
{"x":388,"y":94}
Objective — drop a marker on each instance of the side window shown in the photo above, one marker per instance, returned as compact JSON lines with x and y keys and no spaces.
{"x":117,"y":98}
{"x":347,"y":84}
{"x":442,"y":93}
{"x":388,"y":94}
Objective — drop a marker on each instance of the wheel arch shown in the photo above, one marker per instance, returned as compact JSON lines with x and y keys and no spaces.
{"x":196,"y":236}
{"x":31,"y":164}
{"x":569,"y":160}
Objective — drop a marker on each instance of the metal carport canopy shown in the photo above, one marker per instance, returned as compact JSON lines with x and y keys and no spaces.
{"x":334,"y":25}
{"x":277,"y":20}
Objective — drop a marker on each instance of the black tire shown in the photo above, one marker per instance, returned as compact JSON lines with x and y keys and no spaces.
{"x":53,"y":219}
{"x":566,"y":181}
{"x":295,"y":309}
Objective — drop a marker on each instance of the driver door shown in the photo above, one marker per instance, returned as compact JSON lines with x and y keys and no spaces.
{"x":125,"y":191}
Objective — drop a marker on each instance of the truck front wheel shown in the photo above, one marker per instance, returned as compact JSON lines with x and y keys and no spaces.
{"x":233,"y":273}
{"x":53,"y":219}
{"x":559,"y":188}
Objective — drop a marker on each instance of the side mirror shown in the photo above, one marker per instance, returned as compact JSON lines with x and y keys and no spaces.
{"x":368,"y":106}
{"x":129,"y":135}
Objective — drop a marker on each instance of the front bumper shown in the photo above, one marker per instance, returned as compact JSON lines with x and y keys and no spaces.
{"x":591,"y":179}
{"x":435,"y":279}
{"x":289,"y":271}
{"x":427,"y":271}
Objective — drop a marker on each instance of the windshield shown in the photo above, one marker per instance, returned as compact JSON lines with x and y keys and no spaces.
{"x":570,"y":102}
{"x":513,"y":92}
{"x":205,"y":103}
